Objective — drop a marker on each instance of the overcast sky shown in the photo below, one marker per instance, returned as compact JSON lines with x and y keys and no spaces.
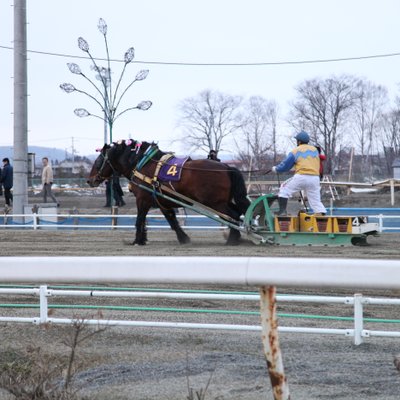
{"x":187,"y":31}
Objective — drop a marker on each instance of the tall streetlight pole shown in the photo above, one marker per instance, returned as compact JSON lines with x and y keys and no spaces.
{"x":104,"y":75}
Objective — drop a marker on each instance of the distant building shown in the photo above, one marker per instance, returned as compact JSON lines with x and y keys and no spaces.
{"x":396,"y":168}
{"x":69,"y":167}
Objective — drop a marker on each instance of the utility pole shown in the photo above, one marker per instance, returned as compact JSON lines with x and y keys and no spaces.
{"x":20,"y":189}
{"x":73,"y":155}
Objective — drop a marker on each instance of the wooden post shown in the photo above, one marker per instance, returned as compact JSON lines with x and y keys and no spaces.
{"x":350,"y":169}
{"x":114,"y":219}
{"x":272,"y":351}
{"x":392,"y":192}
{"x":75,"y":219}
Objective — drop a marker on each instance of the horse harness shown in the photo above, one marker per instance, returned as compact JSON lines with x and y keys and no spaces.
{"x":154,"y":180}
{"x":159,"y":187}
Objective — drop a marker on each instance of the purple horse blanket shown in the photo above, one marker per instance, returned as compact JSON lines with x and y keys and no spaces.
{"x":172,"y":169}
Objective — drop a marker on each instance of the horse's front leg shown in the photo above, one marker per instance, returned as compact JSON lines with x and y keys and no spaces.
{"x":170,"y":216}
{"x":141,"y":230}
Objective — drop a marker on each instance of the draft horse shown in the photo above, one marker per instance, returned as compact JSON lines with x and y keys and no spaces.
{"x":211,"y":183}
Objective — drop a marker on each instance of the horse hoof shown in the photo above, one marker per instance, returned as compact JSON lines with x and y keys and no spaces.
{"x":233,"y":242}
{"x":139,"y":243}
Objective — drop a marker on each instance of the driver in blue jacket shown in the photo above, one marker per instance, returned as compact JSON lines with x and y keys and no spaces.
{"x":305,"y":160}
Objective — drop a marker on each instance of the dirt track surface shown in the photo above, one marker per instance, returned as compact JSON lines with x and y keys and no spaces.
{"x":151,"y":363}
{"x":204,"y":243}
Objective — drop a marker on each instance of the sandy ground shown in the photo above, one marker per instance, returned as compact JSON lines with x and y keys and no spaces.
{"x":150,"y":363}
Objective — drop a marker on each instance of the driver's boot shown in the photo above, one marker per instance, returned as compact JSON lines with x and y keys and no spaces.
{"x":282,"y":201}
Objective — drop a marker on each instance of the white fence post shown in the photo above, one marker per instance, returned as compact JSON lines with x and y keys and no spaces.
{"x":358,"y":319}
{"x":43,"y":304}
{"x":380,"y":223}
{"x":35,"y":221}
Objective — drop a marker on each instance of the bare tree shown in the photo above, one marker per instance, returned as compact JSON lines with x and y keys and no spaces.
{"x":367,"y":118}
{"x":390,"y":138}
{"x":321,"y":108}
{"x":209,"y":118}
{"x":258,"y":135}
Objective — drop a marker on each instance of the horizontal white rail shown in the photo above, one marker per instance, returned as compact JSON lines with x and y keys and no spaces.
{"x":194,"y":296}
{"x":367,"y":333}
{"x":50,"y":221}
{"x":254,"y":271}
{"x":284,"y":298}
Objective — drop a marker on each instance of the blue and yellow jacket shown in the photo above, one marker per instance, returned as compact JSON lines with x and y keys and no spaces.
{"x":304,"y":158}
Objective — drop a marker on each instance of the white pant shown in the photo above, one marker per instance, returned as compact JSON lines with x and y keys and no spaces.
{"x":310,"y":184}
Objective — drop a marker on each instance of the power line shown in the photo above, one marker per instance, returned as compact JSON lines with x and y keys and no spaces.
{"x":192,"y":64}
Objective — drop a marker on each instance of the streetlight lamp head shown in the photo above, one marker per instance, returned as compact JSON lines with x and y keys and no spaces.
{"x":141,"y":75}
{"x":81,"y":112}
{"x":129,"y":55}
{"x":74,"y":68}
{"x":67,"y":87}
{"x":83,"y":44}
{"x":105,"y":90}
{"x":144,"y":105}
{"x":102,"y":26}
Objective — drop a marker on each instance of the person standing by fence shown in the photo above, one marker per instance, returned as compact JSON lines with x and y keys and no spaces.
{"x":7,"y":180}
{"x":47,"y":181}
{"x":1,"y":185}
{"x":117,"y":191}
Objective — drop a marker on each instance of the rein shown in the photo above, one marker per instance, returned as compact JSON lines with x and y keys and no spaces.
{"x":105,"y":162}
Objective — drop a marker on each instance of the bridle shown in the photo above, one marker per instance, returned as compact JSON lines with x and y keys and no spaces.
{"x":104,"y":163}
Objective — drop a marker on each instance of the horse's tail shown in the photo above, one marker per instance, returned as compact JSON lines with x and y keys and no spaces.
{"x":238,"y":190}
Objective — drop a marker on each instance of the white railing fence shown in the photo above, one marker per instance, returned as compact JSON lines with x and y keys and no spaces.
{"x":357,"y":332}
{"x":263,"y":272}
{"x":51,"y":221}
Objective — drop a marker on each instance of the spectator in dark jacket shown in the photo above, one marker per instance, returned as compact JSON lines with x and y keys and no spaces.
{"x":117,"y":192}
{"x":1,"y":185}
{"x":7,"y":180}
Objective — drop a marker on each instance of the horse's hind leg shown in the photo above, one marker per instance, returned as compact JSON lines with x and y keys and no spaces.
{"x":233,"y":238}
{"x":234,"y":234}
{"x":170,"y":216}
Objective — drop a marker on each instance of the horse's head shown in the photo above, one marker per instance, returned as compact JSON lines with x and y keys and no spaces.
{"x":120,"y":157}
{"x":101,"y":168}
